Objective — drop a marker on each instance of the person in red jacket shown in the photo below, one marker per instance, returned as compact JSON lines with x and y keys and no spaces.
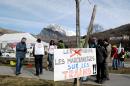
{"x":115,"y":58}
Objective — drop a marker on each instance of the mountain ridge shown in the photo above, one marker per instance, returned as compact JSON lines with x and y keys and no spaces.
{"x":114,"y":32}
{"x":5,"y":31}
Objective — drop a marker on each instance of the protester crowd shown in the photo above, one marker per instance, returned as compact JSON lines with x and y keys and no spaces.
{"x":105,"y":52}
{"x":38,"y":53}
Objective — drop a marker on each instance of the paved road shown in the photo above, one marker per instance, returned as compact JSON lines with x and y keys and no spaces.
{"x":118,"y":80}
{"x":26,"y":72}
{"x":115,"y":79}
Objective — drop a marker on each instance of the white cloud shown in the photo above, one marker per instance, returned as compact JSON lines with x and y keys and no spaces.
{"x":31,"y":24}
{"x":70,"y":33}
{"x":23,"y":23}
{"x":110,"y":13}
{"x":39,"y":8}
{"x":113,"y":13}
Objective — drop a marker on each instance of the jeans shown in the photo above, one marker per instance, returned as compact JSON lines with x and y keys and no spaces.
{"x":19,"y":62}
{"x":122,"y":64}
{"x":51,"y":61}
{"x":115,"y":63}
{"x":38,"y":64}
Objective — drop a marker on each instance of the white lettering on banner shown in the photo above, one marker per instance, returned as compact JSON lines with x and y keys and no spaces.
{"x":74,"y":63}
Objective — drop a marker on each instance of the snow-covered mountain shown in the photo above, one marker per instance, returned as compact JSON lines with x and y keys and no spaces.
{"x":56,"y":28}
{"x":55,"y":31}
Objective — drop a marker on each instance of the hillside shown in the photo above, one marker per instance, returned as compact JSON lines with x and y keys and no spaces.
{"x":5,"y":31}
{"x":116,"y":36}
{"x":115,"y":32}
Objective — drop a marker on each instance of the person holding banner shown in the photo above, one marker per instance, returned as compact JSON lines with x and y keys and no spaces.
{"x":52,"y":46}
{"x":21,"y":50}
{"x":93,"y":43}
{"x":38,"y":52}
{"x":101,"y":55}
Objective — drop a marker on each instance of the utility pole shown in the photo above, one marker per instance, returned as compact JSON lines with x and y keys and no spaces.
{"x":77,"y":31}
{"x":78,"y":23}
{"x":90,"y":27}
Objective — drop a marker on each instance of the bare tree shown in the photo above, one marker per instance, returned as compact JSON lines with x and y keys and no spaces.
{"x":97,"y":28}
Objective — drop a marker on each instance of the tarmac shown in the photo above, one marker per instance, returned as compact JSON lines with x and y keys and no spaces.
{"x":115,"y":79}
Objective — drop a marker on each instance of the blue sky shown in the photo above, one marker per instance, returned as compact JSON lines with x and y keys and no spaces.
{"x":32,"y":15}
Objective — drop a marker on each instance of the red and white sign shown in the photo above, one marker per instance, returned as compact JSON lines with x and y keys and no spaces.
{"x":74,"y":63}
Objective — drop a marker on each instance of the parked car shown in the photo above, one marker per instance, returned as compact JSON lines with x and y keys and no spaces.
{"x":8,"y":53}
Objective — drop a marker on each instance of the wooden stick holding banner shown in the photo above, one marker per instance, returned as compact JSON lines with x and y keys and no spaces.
{"x":78,"y":82}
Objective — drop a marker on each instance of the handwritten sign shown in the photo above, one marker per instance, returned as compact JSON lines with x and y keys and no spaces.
{"x":74,"y":63}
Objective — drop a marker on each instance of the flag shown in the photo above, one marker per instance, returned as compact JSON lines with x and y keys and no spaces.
{"x":119,"y":49}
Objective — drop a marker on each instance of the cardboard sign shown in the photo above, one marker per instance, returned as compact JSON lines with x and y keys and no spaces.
{"x":74,"y":63}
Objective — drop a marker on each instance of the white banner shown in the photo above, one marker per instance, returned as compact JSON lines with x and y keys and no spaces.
{"x":74,"y":63}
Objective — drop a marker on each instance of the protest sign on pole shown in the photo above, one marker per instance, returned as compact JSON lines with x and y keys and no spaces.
{"x":74,"y":63}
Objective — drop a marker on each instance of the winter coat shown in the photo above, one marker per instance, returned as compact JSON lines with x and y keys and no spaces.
{"x":39,"y":49}
{"x":101,"y":54}
{"x":108,"y":49}
{"x":115,"y":53}
{"x":122,"y":56}
{"x":61,"y":45}
{"x":21,"y":50}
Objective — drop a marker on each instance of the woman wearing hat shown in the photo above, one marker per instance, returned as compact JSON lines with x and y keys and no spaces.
{"x":115,"y":57}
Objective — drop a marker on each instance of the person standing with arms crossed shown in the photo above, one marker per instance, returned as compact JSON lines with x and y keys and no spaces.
{"x":21,"y":50}
{"x":38,"y":52}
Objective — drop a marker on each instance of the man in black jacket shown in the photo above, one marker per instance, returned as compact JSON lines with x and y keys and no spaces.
{"x":101,"y":55}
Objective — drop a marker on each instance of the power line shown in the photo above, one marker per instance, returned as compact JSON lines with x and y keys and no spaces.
{"x":89,"y":1}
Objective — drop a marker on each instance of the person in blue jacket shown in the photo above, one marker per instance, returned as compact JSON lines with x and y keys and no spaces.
{"x":21,"y":50}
